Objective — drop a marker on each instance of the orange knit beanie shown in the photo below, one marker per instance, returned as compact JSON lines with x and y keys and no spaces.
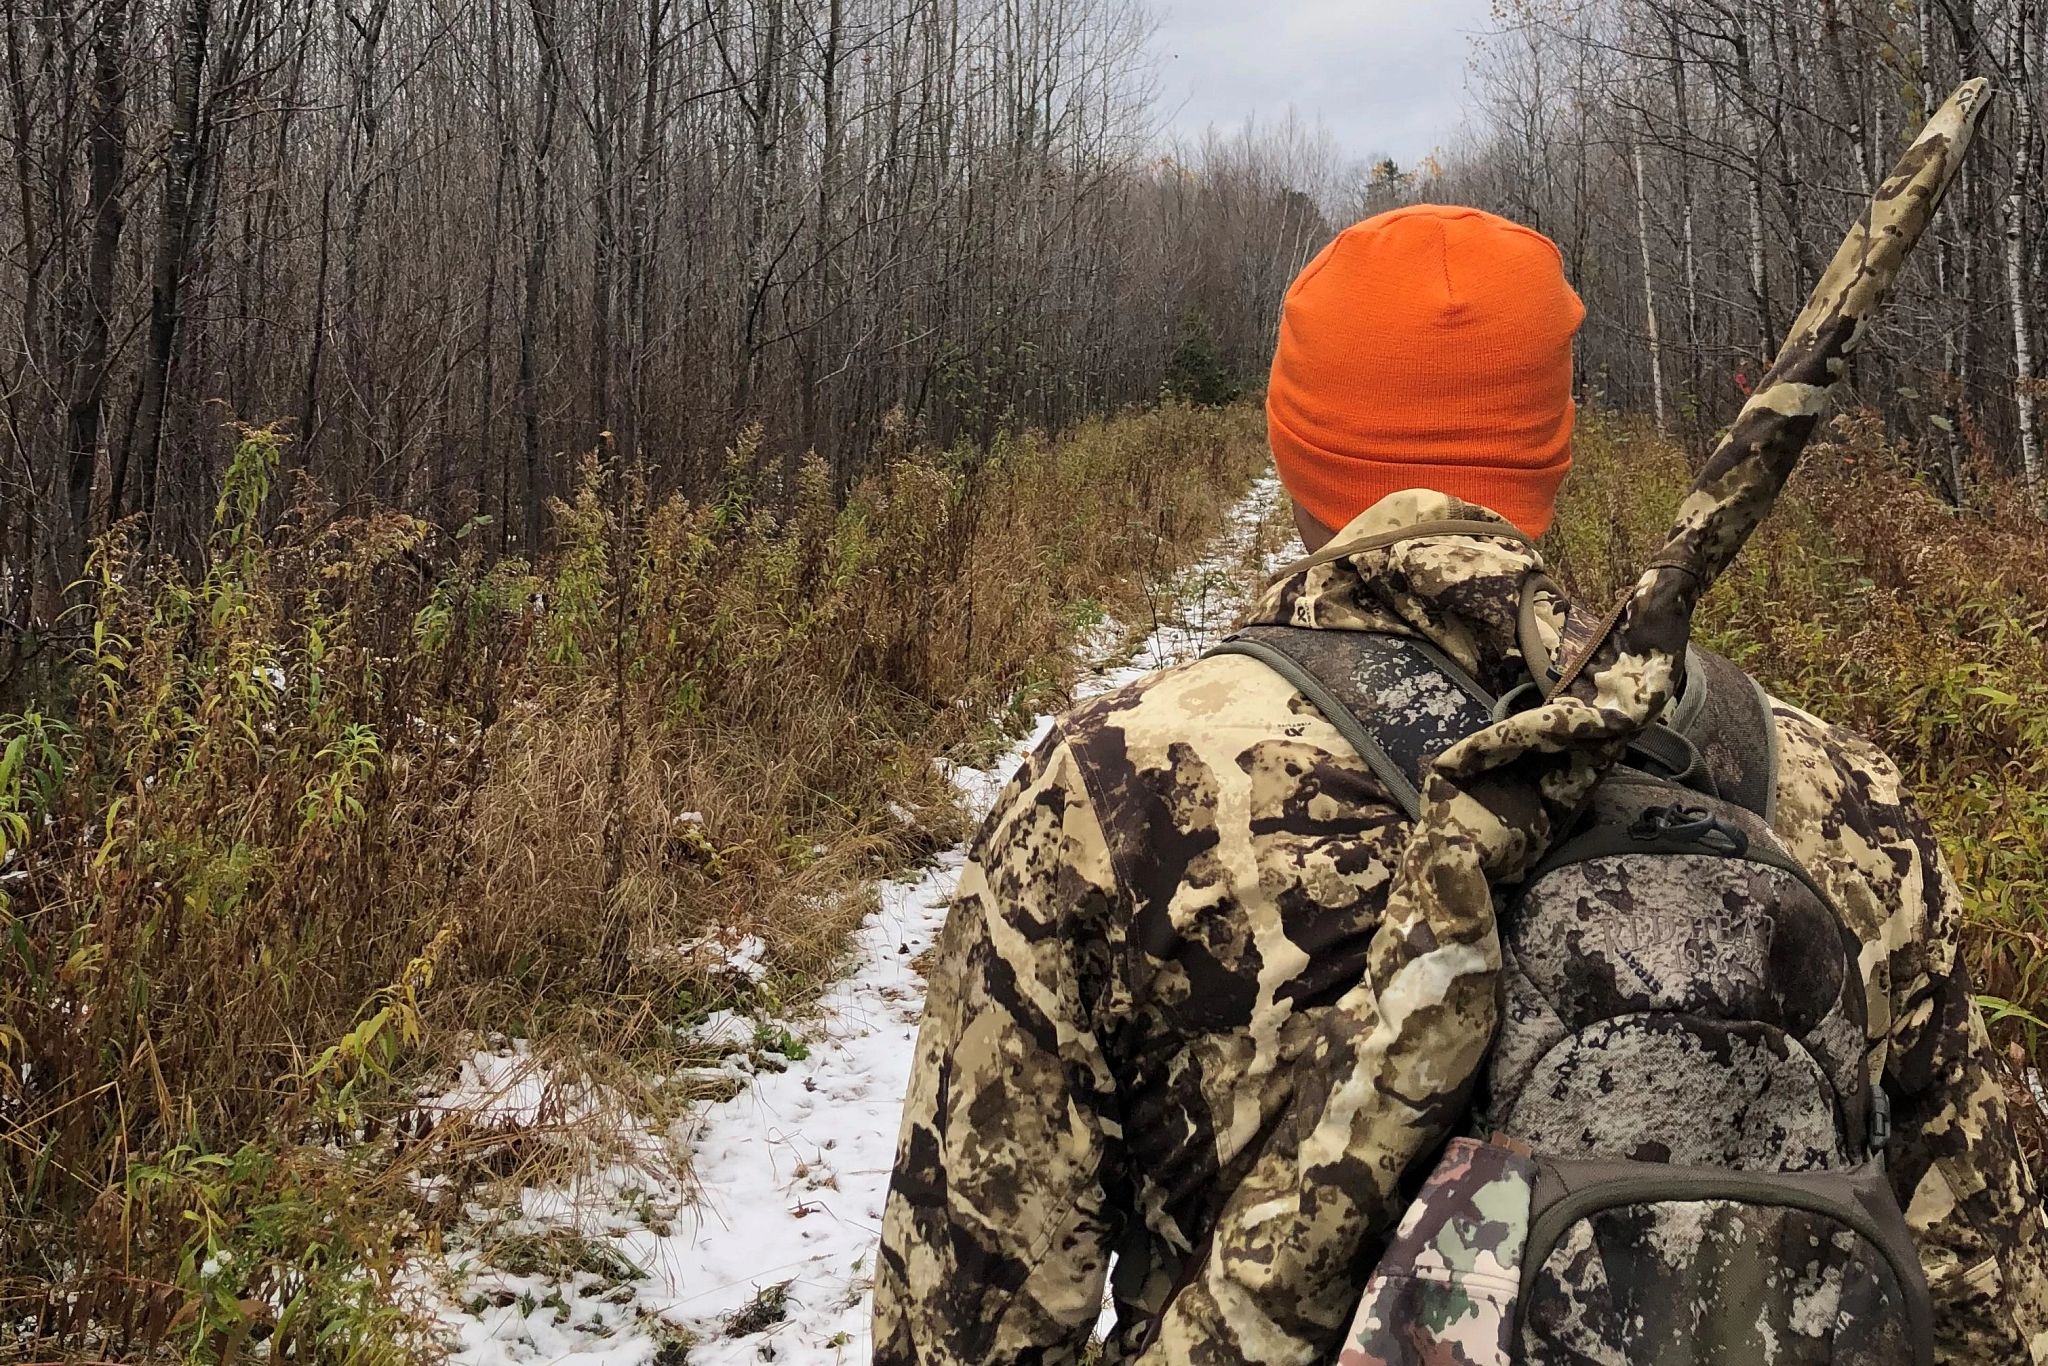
{"x":1429,"y":347}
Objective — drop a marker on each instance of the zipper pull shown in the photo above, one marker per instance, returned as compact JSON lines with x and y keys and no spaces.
{"x":1880,"y":1121}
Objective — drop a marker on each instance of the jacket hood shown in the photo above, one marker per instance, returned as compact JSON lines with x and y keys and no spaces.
{"x":1430,"y":565}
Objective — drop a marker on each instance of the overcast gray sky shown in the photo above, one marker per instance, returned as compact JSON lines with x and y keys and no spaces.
{"x":1384,"y":76}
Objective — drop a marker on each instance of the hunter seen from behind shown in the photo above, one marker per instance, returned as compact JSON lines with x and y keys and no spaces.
{"x":941,"y":681}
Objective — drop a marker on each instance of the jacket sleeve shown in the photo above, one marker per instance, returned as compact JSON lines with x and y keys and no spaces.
{"x":1955,"y":1158}
{"x":997,"y":1232}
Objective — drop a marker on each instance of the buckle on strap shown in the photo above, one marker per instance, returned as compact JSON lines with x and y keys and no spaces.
{"x":1690,"y":825}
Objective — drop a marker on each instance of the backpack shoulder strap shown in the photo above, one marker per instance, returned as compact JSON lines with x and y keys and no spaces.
{"x":1400,"y":702}
{"x":1397,"y":700}
{"x":1727,"y":716}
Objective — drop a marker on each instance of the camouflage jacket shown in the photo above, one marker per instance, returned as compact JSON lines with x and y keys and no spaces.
{"x":1134,"y":993}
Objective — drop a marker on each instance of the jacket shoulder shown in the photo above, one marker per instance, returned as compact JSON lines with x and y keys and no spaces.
{"x":1208,"y":713}
{"x":1219,"y":774}
{"x":1213,"y":693}
{"x":1825,"y":771}
{"x":1843,"y":810}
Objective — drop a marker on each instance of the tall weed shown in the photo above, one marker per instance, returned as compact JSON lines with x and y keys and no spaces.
{"x":345,"y":793}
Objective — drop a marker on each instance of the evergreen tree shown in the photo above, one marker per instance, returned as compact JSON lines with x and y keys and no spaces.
{"x":1196,"y":373}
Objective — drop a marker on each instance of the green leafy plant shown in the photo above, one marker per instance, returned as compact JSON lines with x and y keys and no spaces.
{"x":34,"y":759}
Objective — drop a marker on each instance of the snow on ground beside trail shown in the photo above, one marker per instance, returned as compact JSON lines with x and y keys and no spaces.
{"x":768,"y":1254}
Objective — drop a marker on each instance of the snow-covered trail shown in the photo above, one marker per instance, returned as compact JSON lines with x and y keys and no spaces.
{"x":767,"y":1256}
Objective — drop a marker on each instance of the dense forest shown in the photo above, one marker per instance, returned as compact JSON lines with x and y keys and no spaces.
{"x":1696,"y":161}
{"x":449,"y":246}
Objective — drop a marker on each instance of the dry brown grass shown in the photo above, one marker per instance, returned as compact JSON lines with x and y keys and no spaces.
{"x":346,"y":795}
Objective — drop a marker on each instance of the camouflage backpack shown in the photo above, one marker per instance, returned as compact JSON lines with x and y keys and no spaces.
{"x":1683,"y":1151}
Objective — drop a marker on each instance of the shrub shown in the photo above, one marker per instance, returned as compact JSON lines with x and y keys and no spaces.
{"x":1196,"y":372}
{"x":318,"y":806}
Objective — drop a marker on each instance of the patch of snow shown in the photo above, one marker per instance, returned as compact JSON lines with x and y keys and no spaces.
{"x":723,"y":1027}
{"x":789,"y":1177}
{"x":745,"y":957}
{"x":1101,"y":638}
{"x":505,"y":1088}
{"x":506,"y":1091}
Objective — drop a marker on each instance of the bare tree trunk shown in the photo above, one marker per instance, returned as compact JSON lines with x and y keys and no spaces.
{"x":1753,"y":149}
{"x":487,"y":387}
{"x":1689,"y":265}
{"x":1835,"y":42}
{"x":93,"y":307}
{"x":640,"y":227}
{"x":374,"y":443}
{"x":1649,"y":287}
{"x":173,"y":247}
{"x":764,"y":109}
{"x":539,"y":233}
{"x":316,"y":350}
{"x":603,"y":123}
{"x":1789,"y":77}
{"x":1950,"y":391}
{"x":824,"y":252}
{"x":487,"y":397}
{"x":2016,"y":274}
{"x":31,"y":39}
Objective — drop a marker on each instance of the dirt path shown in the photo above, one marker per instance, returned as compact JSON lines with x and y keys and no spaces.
{"x":768,"y":1256}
